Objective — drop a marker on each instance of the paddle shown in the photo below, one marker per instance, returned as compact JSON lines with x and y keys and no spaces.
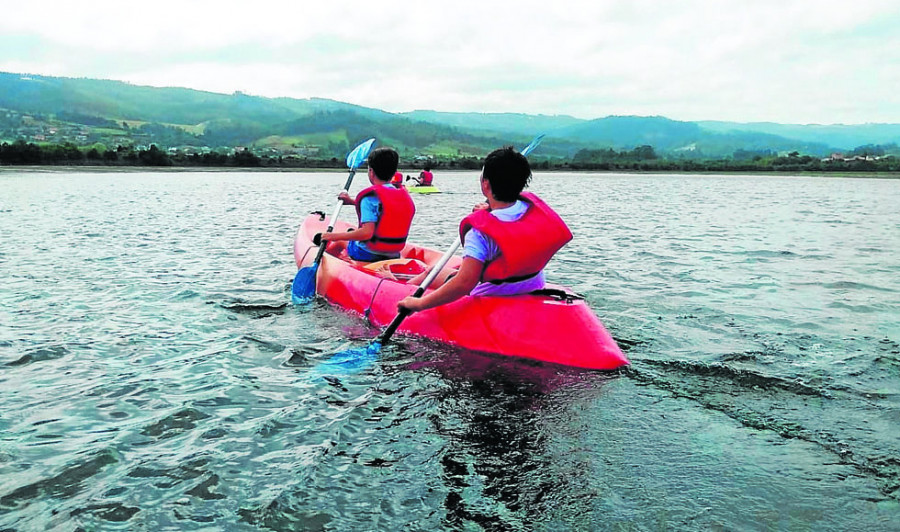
{"x":352,"y":359}
{"x":355,"y":355}
{"x":303,"y":288}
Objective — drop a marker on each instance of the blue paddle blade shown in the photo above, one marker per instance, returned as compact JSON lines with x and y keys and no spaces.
{"x":303,"y":290}
{"x":357,"y":357}
{"x":534,"y":144}
{"x":359,"y":154}
{"x":348,"y":362}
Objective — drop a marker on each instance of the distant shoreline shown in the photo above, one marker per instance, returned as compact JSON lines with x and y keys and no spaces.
{"x":80,"y":168}
{"x":50,"y":168}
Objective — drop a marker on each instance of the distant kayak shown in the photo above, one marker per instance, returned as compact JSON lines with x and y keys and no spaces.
{"x":554,"y":325}
{"x":424,"y":189}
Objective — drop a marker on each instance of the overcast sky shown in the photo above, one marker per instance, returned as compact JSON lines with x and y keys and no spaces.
{"x":788,"y":61}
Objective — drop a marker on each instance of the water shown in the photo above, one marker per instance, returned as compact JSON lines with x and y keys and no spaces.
{"x":153,"y":375}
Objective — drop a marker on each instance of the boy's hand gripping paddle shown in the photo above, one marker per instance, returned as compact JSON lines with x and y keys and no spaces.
{"x":303,"y":288}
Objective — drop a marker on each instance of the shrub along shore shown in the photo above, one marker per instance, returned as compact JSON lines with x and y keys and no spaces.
{"x":642,"y":159}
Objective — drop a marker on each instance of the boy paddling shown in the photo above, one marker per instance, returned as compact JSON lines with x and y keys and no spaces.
{"x":385,"y":213}
{"x":507,"y":240}
{"x":425,"y":179}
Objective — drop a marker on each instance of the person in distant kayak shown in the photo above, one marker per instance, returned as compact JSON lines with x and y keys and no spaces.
{"x":506,"y":241}
{"x":425,"y":177}
{"x":397,"y":179}
{"x":385,"y":213}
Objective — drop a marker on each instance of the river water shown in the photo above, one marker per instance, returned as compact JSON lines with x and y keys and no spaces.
{"x":154,"y":375}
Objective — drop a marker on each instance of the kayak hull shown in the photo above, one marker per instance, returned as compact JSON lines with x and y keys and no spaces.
{"x":429,"y":189}
{"x":558,"y":330}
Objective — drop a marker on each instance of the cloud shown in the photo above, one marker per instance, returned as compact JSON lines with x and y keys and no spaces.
{"x":785,"y":60}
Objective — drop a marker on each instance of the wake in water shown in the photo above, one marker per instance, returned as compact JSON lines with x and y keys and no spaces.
{"x":813,"y":408}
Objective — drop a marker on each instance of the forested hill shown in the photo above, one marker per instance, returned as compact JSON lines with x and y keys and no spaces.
{"x":89,"y":111}
{"x":837,"y":135}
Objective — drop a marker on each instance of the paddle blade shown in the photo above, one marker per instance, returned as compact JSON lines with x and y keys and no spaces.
{"x":350,"y":361}
{"x":534,"y":144}
{"x":357,"y":357}
{"x":359,"y":154}
{"x":304,"y":287}
{"x":357,"y":354}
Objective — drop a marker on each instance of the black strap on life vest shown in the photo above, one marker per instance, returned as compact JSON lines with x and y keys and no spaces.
{"x":556,"y":293}
{"x":388,"y":240}
{"x":515,"y":279}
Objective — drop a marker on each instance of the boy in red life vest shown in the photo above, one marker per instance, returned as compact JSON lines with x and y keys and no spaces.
{"x":425,"y":177}
{"x":506,"y":241}
{"x":385,"y":213}
{"x":397,"y":179}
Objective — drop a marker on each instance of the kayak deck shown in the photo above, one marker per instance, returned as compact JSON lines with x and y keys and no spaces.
{"x":424,"y":189}
{"x":559,"y":328}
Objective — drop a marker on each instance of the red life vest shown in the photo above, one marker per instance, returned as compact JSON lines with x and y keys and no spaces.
{"x":427,"y":177}
{"x":397,"y":211}
{"x":397,"y":179}
{"x":526,"y":245}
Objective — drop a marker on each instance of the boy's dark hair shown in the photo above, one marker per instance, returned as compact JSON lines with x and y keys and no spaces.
{"x":508,"y":172}
{"x":383,"y":161}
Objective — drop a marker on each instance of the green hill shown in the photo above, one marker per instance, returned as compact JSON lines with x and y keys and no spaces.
{"x":840,"y":136}
{"x":501,"y":123}
{"x":86,"y":111}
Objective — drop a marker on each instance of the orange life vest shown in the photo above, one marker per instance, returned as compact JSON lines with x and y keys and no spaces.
{"x":526,"y":245}
{"x":397,"y":211}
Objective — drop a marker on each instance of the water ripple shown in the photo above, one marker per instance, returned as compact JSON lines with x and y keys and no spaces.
{"x":154,"y":375}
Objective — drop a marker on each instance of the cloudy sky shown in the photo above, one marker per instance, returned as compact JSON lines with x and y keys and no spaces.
{"x":789,"y":61}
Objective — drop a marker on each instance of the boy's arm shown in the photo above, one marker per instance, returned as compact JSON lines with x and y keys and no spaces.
{"x":364,"y":232}
{"x":344,"y":197}
{"x":369,"y":213}
{"x":460,"y":285}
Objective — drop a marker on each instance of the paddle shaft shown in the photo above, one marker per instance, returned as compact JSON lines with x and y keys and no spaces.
{"x":403,"y":313}
{"x":333,"y":219}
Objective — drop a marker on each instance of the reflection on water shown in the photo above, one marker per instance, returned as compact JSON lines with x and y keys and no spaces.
{"x":498,"y":464}
{"x":154,"y":375}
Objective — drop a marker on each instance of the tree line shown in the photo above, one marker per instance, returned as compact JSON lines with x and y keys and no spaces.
{"x":22,"y":153}
{"x":641,"y":158}
{"x":31,"y":154}
{"x":644,"y":158}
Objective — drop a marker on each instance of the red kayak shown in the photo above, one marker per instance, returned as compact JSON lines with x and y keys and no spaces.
{"x":556,"y":326}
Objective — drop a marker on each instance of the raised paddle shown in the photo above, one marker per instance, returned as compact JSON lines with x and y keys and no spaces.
{"x":354,"y":355}
{"x":303,"y":288}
